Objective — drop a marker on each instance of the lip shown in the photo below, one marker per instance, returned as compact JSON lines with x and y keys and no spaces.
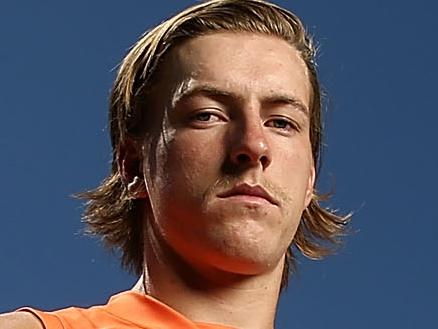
{"x":246,"y":190}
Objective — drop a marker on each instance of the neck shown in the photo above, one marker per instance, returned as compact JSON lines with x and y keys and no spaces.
{"x":211,"y":296}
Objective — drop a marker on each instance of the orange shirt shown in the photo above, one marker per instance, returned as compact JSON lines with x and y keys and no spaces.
{"x":125,"y":310}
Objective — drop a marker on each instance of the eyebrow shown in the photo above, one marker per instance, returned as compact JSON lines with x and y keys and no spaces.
{"x":186,"y":91}
{"x":288,"y":100}
{"x":214,"y":92}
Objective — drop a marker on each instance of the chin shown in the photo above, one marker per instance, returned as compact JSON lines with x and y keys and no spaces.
{"x":249,"y":266}
{"x":244,"y":245}
{"x":248,"y":257}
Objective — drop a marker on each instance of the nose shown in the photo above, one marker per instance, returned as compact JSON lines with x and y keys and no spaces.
{"x":249,"y":145}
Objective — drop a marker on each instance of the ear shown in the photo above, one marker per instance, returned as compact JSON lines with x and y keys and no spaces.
{"x":130,"y":162}
{"x":310,"y":186}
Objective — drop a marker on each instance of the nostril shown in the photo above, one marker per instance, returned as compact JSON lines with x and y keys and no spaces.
{"x":243,"y":158}
{"x":264,"y":160}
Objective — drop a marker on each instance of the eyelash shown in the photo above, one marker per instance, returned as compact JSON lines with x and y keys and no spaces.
{"x":288,"y":124}
{"x":199,"y":117}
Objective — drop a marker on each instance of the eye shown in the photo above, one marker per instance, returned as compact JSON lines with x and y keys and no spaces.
{"x":206,"y":117}
{"x":283,"y":124}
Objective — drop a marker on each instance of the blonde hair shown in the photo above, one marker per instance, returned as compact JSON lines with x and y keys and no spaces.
{"x":110,"y":213}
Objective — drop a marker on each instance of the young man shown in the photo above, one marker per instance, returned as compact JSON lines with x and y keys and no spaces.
{"x":216,"y":131}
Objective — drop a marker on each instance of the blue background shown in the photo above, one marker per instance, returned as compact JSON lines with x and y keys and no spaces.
{"x":378,"y":64}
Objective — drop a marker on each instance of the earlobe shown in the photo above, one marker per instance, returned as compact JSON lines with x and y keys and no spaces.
{"x":129,"y":163}
{"x":310,"y":187}
{"x":137,"y":189}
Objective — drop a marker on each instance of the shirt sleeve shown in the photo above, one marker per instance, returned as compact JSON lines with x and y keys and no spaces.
{"x":48,"y":319}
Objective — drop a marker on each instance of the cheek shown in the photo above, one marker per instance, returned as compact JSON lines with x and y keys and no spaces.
{"x":187,"y":163}
{"x":295,"y":156}
{"x":197,"y":149}
{"x":294,"y":173}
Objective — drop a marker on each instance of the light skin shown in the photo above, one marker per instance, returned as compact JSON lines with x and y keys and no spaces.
{"x":229,"y":178}
{"x":236,"y":121}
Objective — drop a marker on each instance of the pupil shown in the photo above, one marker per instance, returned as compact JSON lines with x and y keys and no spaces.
{"x":280,"y":124}
{"x":203,"y":116}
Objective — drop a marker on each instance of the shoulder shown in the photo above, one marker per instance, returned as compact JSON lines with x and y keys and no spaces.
{"x":19,"y":320}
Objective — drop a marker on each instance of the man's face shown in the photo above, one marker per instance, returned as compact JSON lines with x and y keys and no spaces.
{"x":233,"y":168}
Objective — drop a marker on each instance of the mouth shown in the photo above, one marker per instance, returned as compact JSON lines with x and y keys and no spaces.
{"x":249,"y":193}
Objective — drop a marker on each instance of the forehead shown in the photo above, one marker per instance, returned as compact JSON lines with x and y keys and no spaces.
{"x":245,"y":63}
